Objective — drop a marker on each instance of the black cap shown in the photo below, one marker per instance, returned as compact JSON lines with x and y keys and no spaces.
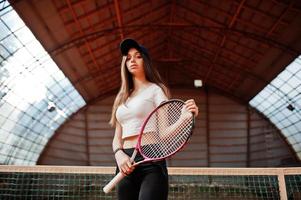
{"x":128,"y":43}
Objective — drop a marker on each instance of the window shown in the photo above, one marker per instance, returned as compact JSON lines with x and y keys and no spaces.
{"x":29,"y":82}
{"x":280,"y":102}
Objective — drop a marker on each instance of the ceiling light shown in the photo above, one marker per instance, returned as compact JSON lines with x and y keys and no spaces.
{"x":198,"y":83}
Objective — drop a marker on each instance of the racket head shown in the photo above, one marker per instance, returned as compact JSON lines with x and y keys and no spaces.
{"x":165,"y":131}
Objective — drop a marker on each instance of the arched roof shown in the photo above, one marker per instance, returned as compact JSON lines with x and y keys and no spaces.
{"x":237,"y":47}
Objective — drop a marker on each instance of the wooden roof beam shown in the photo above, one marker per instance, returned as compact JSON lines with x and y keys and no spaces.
{"x":279,"y":19}
{"x":87,"y":45}
{"x":88,"y":14}
{"x":240,"y":67}
{"x":107,"y":44}
{"x":219,"y":24}
{"x":236,"y":42}
{"x":282,"y":3}
{"x":110,"y":19}
{"x":224,"y":39}
{"x":216,"y":45}
{"x":65,"y":8}
{"x":169,"y":34}
{"x":258,"y":11}
{"x":267,"y":34}
{"x":119,"y":18}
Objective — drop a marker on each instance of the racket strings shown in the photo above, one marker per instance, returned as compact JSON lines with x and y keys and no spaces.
{"x":168,"y":129}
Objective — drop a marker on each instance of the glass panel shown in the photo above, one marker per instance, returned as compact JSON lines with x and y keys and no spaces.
{"x":10,"y":20}
{"x":11,"y":43}
{"x":282,"y":106}
{"x":25,"y":79}
{"x":24,"y":55}
{"x":4,"y":31}
{"x":3,"y":52}
{"x":277,"y":83}
{"x":297,"y":137}
{"x":36,"y":48}
{"x":24,"y":35}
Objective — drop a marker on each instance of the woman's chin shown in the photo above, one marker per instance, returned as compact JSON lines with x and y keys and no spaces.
{"x":135,"y":71}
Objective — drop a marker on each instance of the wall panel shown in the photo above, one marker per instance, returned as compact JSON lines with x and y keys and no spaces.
{"x":85,"y":139}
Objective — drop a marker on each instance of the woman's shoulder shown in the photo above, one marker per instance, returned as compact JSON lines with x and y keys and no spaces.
{"x":154,"y":86}
{"x":160,"y":90}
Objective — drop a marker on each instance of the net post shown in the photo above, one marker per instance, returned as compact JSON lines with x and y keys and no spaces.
{"x":282,"y":185}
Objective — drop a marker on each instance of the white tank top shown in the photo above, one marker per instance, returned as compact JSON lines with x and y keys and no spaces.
{"x":132,"y":114}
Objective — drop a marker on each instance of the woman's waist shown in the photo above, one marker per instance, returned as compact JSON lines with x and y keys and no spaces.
{"x":139,"y":157}
{"x":146,"y":138}
{"x":134,"y":130}
{"x":130,"y":142}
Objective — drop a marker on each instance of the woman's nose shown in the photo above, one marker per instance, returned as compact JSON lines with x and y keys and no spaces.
{"x":133,"y":59}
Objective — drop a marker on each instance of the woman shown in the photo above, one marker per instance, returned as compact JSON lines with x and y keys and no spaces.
{"x":141,"y":91}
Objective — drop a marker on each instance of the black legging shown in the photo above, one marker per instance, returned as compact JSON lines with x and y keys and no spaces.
{"x":148,"y":181}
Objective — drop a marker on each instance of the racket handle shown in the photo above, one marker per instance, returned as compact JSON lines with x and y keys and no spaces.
{"x":113,"y":182}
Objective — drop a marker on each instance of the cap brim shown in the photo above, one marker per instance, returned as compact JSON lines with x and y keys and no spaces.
{"x":126,"y":44}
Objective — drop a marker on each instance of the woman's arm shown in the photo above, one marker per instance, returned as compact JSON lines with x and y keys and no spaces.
{"x":117,"y":140}
{"x":123,"y":160}
{"x":166,"y":130}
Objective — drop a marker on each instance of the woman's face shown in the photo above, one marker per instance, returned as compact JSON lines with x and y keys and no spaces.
{"x":134,"y":62}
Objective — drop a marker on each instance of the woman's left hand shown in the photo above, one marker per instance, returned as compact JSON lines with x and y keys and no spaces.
{"x":192,"y":107}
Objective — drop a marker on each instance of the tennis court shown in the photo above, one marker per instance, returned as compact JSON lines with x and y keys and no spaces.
{"x":238,"y":62}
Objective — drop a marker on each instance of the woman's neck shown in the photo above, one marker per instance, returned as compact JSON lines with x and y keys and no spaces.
{"x":140,"y":83}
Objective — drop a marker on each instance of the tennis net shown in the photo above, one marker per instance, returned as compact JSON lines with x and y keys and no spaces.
{"x":73,"y":182}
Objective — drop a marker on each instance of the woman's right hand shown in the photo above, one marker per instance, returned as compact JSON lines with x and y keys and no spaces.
{"x":124,"y":163}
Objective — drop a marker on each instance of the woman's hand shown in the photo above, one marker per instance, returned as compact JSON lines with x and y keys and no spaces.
{"x":124,"y":163}
{"x":192,"y":107}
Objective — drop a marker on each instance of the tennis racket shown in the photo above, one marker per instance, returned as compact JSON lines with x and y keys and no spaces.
{"x":164,"y":132}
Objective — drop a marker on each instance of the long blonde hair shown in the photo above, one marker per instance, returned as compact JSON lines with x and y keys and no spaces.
{"x":127,"y":84}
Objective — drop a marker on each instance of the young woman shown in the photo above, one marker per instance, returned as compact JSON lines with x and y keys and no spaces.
{"x":142,"y":90}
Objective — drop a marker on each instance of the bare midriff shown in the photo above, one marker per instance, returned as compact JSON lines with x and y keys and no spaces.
{"x":130,"y":142}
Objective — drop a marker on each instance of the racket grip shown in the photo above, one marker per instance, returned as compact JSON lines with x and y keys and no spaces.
{"x":113,"y":182}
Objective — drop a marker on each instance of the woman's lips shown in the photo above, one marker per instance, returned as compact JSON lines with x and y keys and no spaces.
{"x":133,"y":66}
